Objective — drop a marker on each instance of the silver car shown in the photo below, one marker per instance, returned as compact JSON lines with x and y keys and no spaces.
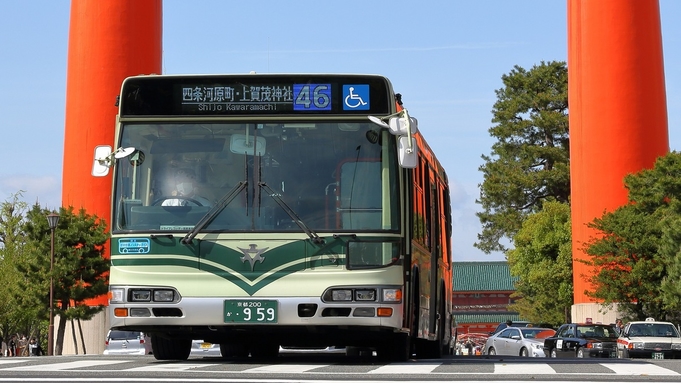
{"x":201,"y":348}
{"x":127,"y":343}
{"x":519,"y":341}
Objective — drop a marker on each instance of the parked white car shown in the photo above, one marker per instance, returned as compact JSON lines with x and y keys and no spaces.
{"x":127,"y":343}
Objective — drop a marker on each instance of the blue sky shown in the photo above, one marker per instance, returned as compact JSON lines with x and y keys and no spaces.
{"x":446,"y":57}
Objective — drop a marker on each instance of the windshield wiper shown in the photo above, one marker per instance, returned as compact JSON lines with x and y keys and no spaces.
{"x":214,"y":211}
{"x":313,"y":236}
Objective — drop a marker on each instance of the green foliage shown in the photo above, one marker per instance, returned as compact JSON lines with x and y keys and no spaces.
{"x":670,"y":249}
{"x":79,"y":269}
{"x":542,"y":261}
{"x":638,"y":244}
{"x":14,"y":317}
{"x":529,"y":163}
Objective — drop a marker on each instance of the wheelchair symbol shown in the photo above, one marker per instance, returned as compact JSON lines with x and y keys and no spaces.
{"x":353,"y":100}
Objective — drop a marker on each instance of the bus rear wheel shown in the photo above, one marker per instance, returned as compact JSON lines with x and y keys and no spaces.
{"x":170,"y":349}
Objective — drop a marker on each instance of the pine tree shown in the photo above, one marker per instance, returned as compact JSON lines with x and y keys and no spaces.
{"x":80,"y":269}
{"x":529,"y":163}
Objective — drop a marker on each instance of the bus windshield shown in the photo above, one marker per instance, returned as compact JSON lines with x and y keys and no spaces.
{"x":263,"y":176}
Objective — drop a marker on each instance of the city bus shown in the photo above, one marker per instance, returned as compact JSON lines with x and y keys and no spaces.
{"x":261,"y":211}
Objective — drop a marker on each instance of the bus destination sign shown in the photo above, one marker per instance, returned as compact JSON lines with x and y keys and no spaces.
{"x":227,"y":95}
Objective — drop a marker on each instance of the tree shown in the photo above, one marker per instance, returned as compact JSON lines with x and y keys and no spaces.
{"x":14,"y":317}
{"x":670,"y":248}
{"x":530,"y":162}
{"x":79,"y":265}
{"x":542,"y":261}
{"x":631,"y":257}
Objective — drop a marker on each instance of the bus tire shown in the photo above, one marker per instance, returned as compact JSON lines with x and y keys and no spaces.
{"x":352,"y":351}
{"x":170,"y":349}
{"x":264,"y":350}
{"x":396,"y":350}
{"x":233,"y":350}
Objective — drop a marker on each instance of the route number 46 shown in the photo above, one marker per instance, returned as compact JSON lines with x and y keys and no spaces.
{"x":312,"y":96}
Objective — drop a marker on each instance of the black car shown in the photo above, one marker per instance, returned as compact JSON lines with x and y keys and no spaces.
{"x":580,"y":340}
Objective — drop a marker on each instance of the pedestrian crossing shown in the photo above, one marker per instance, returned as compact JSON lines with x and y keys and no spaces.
{"x":449,"y":367}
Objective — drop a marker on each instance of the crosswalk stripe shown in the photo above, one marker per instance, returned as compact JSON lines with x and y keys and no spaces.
{"x":286,"y":368}
{"x":404,"y":368}
{"x":168,"y":367}
{"x":617,"y":369}
{"x":65,"y":365}
{"x":523,"y":368}
{"x":638,"y":369}
{"x":11,"y":361}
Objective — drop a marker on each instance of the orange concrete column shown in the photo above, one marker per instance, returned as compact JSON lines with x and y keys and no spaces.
{"x":618,"y":113}
{"x":108,"y":41}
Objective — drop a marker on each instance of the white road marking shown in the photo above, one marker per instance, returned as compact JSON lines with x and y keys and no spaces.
{"x":65,"y":365}
{"x":523,"y":368}
{"x":406,"y":368}
{"x":168,"y":367}
{"x":638,"y":369}
{"x":286,"y":368}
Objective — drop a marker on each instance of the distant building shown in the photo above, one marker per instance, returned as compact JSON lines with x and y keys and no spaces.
{"x":481,"y":296}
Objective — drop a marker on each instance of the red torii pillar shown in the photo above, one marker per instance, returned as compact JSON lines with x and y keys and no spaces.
{"x":618,"y":115}
{"x":108,"y":41}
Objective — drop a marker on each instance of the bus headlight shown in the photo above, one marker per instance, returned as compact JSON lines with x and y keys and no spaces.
{"x":140,"y":295}
{"x":116,"y":295}
{"x":164,"y":295}
{"x":365,"y":295}
{"x":392,"y":295}
{"x":341,"y":295}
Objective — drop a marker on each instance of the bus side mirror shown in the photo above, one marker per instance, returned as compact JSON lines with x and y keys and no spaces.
{"x":102,"y":161}
{"x":408,"y":154}
{"x":104,"y":158}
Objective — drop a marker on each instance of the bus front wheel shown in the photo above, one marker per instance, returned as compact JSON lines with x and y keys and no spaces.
{"x":170,"y":349}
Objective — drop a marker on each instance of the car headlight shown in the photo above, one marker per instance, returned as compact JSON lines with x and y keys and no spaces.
{"x":636,"y":345}
{"x":538,"y":346}
{"x":676,"y":346}
{"x":598,"y":346}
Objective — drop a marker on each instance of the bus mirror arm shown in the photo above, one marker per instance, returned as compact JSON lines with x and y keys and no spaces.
{"x":402,"y":125}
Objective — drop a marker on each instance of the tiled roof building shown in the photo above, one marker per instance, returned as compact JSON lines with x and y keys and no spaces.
{"x":481,"y":295}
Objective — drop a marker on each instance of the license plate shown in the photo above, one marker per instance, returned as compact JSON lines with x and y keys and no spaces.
{"x":250,"y":311}
{"x":658,"y":355}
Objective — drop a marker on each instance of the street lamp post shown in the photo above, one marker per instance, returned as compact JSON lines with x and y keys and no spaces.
{"x":52,"y":220}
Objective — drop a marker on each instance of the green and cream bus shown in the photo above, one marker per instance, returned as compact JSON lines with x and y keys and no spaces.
{"x":261,"y":211}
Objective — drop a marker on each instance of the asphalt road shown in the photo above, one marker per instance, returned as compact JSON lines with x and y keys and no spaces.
{"x":333,"y":367}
